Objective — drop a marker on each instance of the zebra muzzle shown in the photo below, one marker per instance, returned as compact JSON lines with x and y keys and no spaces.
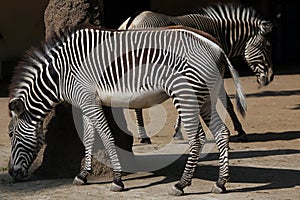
{"x":18,"y":175}
{"x":262,"y":80}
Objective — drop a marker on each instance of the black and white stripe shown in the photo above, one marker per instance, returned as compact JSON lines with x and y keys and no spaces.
{"x":240,"y":31}
{"x":91,"y":68}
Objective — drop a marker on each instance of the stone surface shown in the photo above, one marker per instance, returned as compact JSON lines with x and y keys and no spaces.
{"x":64,"y":151}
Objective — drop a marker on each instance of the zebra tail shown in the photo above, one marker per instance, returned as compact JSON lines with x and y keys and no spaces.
{"x":241,"y":103}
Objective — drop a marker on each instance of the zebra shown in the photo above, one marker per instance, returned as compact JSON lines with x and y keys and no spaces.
{"x":91,"y":67}
{"x":240,"y":30}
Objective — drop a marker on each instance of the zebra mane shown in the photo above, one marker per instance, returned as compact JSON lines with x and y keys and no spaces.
{"x":218,"y":8}
{"x":231,"y":9}
{"x":28,"y":62}
{"x":39,"y":54}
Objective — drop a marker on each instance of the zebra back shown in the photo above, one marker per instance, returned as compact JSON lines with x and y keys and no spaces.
{"x":240,"y":30}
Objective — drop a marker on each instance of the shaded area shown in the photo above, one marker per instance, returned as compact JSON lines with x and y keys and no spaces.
{"x":252,"y":154}
{"x":264,"y":137}
{"x":64,"y":149}
{"x":272,"y":178}
{"x":270,"y":94}
{"x":296,"y":107}
{"x":274,"y":93}
{"x":32,"y":185}
{"x":3,"y":90}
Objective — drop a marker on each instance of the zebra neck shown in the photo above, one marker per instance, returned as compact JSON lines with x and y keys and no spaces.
{"x":37,"y":87}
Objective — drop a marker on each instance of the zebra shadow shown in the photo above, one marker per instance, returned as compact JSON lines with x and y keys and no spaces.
{"x":269,"y":93}
{"x":269,"y":136}
{"x":7,"y":185}
{"x":267,"y":178}
{"x":274,"y":93}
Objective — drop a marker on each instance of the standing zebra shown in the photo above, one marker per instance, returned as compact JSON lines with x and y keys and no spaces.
{"x":240,"y":31}
{"x":92,"y":67}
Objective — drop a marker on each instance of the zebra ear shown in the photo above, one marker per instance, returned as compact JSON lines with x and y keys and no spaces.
{"x":265,"y":27}
{"x":16,"y":106}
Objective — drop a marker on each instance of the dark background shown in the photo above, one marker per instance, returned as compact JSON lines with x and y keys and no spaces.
{"x":285,"y":14}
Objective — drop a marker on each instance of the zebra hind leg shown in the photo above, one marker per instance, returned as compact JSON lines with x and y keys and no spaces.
{"x":222,"y":138}
{"x":212,"y":119}
{"x":196,"y":141}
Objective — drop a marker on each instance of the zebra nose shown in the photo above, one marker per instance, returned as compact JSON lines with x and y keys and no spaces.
{"x":16,"y":174}
{"x":262,"y":80}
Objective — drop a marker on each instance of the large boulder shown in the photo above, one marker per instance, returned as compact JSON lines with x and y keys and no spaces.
{"x":64,"y":150}
{"x":62,"y":14}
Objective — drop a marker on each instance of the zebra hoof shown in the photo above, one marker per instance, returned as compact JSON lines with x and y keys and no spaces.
{"x":175,"y":191}
{"x":218,"y":189}
{"x":116,"y":188}
{"x":117,"y":185}
{"x":79,"y":181}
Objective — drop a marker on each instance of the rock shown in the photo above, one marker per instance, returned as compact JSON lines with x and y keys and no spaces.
{"x":62,"y":14}
{"x":64,"y":151}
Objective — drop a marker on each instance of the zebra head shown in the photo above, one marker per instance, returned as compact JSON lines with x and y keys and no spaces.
{"x":258,"y":54}
{"x":26,"y":139}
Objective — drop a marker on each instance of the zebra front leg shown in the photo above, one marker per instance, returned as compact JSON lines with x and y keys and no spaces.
{"x":106,"y":136}
{"x":141,"y":128}
{"x":94,"y":115}
{"x":88,"y":141}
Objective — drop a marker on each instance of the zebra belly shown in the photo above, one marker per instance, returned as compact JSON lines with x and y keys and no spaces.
{"x":141,"y":99}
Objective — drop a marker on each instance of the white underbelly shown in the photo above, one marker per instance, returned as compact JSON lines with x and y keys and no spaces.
{"x":132,"y":100}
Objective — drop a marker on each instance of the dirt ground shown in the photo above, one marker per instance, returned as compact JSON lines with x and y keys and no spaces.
{"x":265,"y":167}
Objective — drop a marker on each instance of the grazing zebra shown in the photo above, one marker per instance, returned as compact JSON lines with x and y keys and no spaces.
{"x":92,"y":67}
{"x":241,"y":32}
